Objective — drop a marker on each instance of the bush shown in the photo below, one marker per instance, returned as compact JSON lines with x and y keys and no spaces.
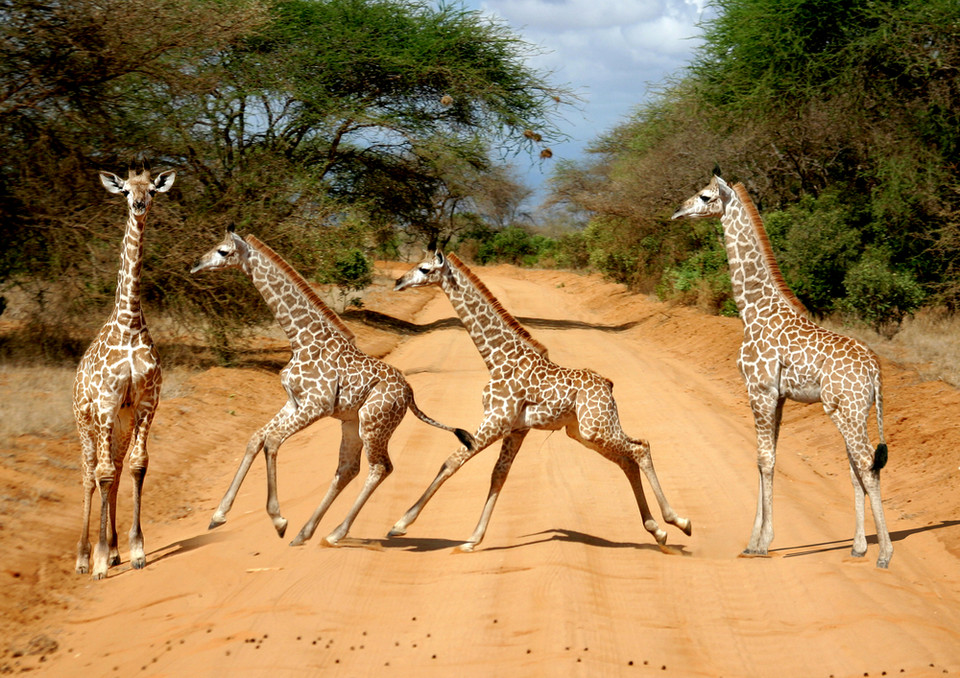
{"x":880,"y":296}
{"x":513,"y":245}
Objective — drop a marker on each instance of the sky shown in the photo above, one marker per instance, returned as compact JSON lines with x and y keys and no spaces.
{"x":612,"y":53}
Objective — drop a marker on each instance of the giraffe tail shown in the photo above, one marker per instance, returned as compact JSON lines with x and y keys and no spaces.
{"x":880,"y":456}
{"x":464,"y":437}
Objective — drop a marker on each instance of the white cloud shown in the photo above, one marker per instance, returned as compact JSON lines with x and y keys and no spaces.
{"x":609,"y":51}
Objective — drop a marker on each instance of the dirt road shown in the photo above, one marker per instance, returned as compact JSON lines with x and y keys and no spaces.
{"x":567,"y":581}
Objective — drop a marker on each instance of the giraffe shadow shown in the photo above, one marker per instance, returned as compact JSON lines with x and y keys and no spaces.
{"x":391,"y":324}
{"x":846,"y":544}
{"x":543,"y":537}
{"x":178,"y":548}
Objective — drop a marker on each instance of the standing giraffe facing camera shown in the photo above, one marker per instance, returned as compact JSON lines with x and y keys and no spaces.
{"x":327,"y":376}
{"x":785,"y":355}
{"x":117,"y":388}
{"x":526,"y":390}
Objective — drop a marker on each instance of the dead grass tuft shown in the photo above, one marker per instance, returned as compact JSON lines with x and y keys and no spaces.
{"x":928,"y":341}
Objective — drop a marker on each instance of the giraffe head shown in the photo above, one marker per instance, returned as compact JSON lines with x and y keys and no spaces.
{"x":710,"y":201}
{"x":138,"y":188}
{"x":232,"y":252}
{"x":430,"y":271}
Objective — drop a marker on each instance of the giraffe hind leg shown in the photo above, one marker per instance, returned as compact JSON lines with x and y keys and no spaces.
{"x":644,"y":459}
{"x":348,"y":467}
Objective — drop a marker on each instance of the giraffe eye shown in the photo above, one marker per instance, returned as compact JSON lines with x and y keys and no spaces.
{"x":223,"y":252}
{"x":424,"y":270}
{"x":705,"y":198}
{"x":125,"y":192}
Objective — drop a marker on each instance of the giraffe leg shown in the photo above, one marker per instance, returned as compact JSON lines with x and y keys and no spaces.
{"x":859,"y":535}
{"x":852,"y":425}
{"x":379,"y":417}
{"x":102,"y":549}
{"x":347,"y":469}
{"x":88,"y":461}
{"x":380,"y":468}
{"x":508,"y":452}
{"x":767,"y":413}
{"x":632,"y":471}
{"x":487,"y":434}
{"x":644,"y":460}
{"x":254,"y":445}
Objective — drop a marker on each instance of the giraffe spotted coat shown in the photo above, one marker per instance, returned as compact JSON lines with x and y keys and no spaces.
{"x":528,"y":391}
{"x":327,"y":376}
{"x":784,"y":355}
{"x":117,"y":388}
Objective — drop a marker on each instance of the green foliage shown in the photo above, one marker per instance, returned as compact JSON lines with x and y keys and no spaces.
{"x":878,"y":295}
{"x":817,"y":240}
{"x":843,"y":121}
{"x":513,"y":245}
{"x":318,"y":125}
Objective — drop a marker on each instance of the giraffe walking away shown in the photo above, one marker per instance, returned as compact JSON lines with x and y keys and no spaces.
{"x":327,"y":376}
{"x":117,"y":388}
{"x":785,"y":355}
{"x":528,"y":391}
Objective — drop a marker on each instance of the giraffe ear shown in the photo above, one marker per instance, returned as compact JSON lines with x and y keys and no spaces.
{"x":164,"y":181}
{"x":111,"y":182}
{"x":438,"y":257}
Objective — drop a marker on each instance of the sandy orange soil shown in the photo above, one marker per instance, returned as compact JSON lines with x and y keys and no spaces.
{"x":567,"y":581}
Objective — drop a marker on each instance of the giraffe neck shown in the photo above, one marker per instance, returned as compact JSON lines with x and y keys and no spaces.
{"x":495,"y":332}
{"x":127,"y":312}
{"x":302,"y":315}
{"x":758,"y":286}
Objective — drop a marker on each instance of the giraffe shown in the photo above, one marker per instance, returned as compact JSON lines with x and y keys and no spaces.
{"x":526,"y":391}
{"x":117,"y":388}
{"x":785,"y":355}
{"x":327,"y":376}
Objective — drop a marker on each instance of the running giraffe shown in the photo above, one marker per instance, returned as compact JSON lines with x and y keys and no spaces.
{"x":526,"y":390}
{"x":327,"y":376}
{"x":117,"y":388}
{"x":785,"y":355}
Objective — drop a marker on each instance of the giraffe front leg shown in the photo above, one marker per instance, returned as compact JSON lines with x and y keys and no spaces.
{"x":485,"y":436}
{"x":508,"y":452}
{"x":767,"y":413}
{"x":83,"y":546}
{"x":254,"y":445}
{"x":101,"y":552}
{"x":644,"y":459}
{"x":138,"y":558}
{"x":270,"y":447}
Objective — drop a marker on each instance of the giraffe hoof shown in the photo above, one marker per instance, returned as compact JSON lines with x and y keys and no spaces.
{"x":99,"y":575}
{"x":114,"y":561}
{"x":686,"y":526}
{"x":330,"y":541}
{"x":281,"y":526}
{"x":83,"y":569}
{"x":397,"y":532}
{"x":138,"y":563}
{"x":298,"y":540}
{"x":216,"y":521}
{"x":466,"y":547}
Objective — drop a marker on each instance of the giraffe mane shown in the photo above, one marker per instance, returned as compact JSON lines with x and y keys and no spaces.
{"x":766,"y":250}
{"x":508,"y":319}
{"x":301,"y":284}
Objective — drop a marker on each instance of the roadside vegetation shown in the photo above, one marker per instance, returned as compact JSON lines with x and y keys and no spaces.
{"x":343,"y":131}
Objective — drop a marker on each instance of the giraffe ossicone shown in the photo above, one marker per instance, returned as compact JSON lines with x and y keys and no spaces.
{"x":528,"y":391}
{"x":117,"y":388}
{"x":784,"y":355}
{"x":327,"y":376}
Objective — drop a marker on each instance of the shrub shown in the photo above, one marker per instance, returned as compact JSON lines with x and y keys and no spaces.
{"x":880,"y":296}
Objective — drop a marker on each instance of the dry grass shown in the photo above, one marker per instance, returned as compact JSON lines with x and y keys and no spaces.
{"x":39,"y":400}
{"x":929,"y":342}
